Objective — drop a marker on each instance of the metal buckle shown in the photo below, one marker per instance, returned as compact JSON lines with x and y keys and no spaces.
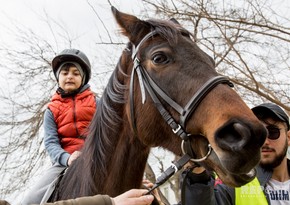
{"x":177,"y":129}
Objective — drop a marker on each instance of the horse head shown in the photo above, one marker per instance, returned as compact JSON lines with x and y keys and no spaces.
{"x":177,"y":100}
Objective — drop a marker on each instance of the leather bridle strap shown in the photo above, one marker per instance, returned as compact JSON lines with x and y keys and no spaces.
{"x":135,"y":66}
{"x":164,"y":113}
{"x":175,"y":167}
{"x":176,"y":128}
{"x":153,"y":88}
{"x":194,"y":101}
{"x":185,"y":112}
{"x":200,"y":94}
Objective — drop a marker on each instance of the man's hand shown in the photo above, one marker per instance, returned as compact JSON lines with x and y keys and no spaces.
{"x":133,"y":197}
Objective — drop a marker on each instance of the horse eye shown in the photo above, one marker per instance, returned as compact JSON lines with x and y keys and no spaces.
{"x":160,"y":59}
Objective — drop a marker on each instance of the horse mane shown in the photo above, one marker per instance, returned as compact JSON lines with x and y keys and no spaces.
{"x":89,"y":171}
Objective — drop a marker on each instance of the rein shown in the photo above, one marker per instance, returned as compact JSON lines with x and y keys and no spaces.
{"x":145,"y":81}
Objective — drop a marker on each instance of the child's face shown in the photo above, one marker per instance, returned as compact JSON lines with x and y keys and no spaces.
{"x":70,"y":79}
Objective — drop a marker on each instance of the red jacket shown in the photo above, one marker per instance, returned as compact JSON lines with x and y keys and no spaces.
{"x":72,"y":116}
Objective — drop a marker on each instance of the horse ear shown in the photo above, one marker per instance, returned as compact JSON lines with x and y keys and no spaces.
{"x":174,"y":21}
{"x":130,"y":25}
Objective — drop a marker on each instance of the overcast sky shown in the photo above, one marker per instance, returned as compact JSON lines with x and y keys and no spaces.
{"x":78,"y":17}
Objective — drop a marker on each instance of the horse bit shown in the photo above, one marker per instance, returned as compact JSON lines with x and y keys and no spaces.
{"x":178,"y":129}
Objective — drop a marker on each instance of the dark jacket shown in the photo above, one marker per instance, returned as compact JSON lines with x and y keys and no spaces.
{"x":200,"y":189}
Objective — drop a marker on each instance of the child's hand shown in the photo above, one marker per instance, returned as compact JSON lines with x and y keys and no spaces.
{"x":73,"y":156}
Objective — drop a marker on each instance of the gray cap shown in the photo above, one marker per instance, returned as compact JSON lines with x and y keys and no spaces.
{"x":273,"y":108}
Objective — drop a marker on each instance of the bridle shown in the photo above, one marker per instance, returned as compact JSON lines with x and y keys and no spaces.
{"x":145,"y":81}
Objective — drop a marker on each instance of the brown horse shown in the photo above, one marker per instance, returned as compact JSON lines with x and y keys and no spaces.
{"x":164,"y":91}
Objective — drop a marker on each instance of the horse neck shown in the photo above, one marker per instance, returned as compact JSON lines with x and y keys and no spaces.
{"x":127,"y":165}
{"x":123,"y":156}
{"x":126,"y":156}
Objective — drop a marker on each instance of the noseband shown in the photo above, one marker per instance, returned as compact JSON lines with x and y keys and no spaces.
{"x":145,"y":81}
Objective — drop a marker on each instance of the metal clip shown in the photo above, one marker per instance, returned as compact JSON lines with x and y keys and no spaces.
{"x":177,"y":129}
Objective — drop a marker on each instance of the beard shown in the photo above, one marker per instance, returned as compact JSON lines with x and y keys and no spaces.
{"x":277,"y":160}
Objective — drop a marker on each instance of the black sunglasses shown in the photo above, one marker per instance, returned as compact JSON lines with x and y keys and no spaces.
{"x":273,"y":132}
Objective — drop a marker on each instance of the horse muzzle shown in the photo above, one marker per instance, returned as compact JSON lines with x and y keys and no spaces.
{"x":238,"y":145}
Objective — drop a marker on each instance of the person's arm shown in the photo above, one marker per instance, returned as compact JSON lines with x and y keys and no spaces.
{"x":199,"y":186}
{"x":89,"y":200}
{"x":51,"y":140}
{"x":131,"y":197}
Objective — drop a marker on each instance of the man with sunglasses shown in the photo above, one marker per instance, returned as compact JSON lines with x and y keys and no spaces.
{"x":272,"y":184}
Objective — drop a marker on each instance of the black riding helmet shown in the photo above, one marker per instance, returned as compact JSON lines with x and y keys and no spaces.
{"x":72,"y":55}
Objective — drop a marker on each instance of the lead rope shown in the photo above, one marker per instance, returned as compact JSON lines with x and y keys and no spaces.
{"x":175,"y":167}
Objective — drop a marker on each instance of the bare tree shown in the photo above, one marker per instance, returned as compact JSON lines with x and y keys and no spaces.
{"x":21,"y":122}
{"x":249,"y":41}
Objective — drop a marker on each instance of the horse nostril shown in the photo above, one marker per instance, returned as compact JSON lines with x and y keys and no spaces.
{"x":243,"y":132}
{"x":234,"y":136}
